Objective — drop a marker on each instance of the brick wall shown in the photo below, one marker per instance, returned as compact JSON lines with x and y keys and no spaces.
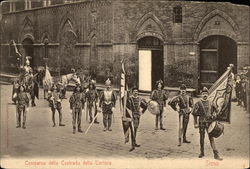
{"x":118,"y":24}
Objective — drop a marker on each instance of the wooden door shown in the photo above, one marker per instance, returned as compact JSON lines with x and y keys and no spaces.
{"x":157,"y":66}
{"x":209,"y":52}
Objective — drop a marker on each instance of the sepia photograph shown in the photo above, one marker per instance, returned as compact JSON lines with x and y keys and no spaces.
{"x":124,"y":84}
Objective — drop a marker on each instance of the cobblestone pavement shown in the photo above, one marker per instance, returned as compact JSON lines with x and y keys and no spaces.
{"x":40,"y":139}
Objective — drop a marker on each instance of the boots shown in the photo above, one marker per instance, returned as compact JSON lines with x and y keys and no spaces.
{"x":109,"y":123}
{"x":162,"y":128}
{"x":179,"y":142}
{"x":156,"y":122}
{"x":24,"y":126}
{"x":60,"y":119}
{"x":202,"y":150}
{"x":185,"y":140}
{"x":201,"y":155}
{"x":216,"y":155}
{"x":74,"y":130}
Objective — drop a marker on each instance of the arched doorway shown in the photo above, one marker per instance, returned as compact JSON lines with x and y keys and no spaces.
{"x":29,"y":51}
{"x":216,"y":53}
{"x":151,"y":64}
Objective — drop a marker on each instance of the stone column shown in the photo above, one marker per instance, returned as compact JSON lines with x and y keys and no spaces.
{"x":242,"y":54}
{"x":29,"y":4}
{"x":25,"y":4}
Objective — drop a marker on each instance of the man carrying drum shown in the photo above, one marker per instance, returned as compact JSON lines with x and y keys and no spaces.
{"x":206,"y":111}
{"x":159,"y":95}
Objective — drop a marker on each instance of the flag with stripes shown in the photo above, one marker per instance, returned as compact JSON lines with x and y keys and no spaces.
{"x":221,"y":92}
{"x":127,"y":122}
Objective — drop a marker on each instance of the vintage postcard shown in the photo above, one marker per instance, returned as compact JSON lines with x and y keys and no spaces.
{"x":124,"y":84}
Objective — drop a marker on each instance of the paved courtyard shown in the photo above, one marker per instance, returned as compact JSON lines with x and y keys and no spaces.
{"x":41,"y":140}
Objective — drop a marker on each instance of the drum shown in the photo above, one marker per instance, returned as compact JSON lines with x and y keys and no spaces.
{"x":153,"y":107}
{"x":215,"y":129}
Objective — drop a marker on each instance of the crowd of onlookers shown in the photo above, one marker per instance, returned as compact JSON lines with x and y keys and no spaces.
{"x":242,"y":87}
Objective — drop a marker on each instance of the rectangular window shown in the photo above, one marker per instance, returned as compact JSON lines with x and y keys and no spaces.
{"x":177,"y":14}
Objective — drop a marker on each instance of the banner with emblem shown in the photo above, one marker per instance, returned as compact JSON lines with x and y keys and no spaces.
{"x":221,"y":92}
{"x":127,"y":122}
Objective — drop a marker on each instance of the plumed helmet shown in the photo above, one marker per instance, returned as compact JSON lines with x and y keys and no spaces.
{"x":183,"y":87}
{"x":204,"y":90}
{"x":108,"y":82}
{"x":27,"y":62}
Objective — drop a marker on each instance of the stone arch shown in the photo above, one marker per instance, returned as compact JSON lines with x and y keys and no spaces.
{"x":44,"y":36}
{"x":155,"y":29}
{"x":67,"y":38}
{"x":67,"y":21}
{"x":28,"y":36}
{"x":208,"y":17}
{"x":217,"y":32}
{"x":27,"y":30}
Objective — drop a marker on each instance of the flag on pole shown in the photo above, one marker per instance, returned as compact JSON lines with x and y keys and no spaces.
{"x":48,"y":81}
{"x":220,"y":94}
{"x":127,"y":118}
{"x":16,"y":50}
{"x":122,"y":85}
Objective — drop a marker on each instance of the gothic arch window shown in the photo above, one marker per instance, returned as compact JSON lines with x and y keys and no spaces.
{"x":177,"y":14}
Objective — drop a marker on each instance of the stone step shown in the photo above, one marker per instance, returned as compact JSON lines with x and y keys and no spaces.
{"x":8,"y":78}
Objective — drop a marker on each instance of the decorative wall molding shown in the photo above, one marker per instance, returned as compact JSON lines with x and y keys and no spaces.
{"x":151,"y":29}
{"x":222,"y":14}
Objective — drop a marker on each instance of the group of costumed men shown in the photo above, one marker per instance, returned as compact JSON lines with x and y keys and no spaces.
{"x":204,"y":111}
{"x":107,"y":102}
{"x":242,"y":87}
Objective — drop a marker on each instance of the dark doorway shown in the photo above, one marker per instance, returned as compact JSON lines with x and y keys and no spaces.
{"x":29,"y":51}
{"x":157,"y":66}
{"x":216,"y":53}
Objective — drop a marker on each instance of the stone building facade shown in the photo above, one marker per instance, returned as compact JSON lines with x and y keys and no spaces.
{"x":177,"y":41}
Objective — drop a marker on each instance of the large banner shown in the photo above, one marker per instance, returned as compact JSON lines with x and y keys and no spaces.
{"x":221,"y":92}
{"x":127,"y":119}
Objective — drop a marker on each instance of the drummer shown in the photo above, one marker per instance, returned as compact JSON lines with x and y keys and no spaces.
{"x":206,"y":111}
{"x":160,"y":96}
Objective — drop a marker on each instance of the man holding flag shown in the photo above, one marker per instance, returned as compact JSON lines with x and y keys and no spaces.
{"x":131,"y":111}
{"x":215,"y":105}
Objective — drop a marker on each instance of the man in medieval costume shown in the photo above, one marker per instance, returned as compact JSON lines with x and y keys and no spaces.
{"x":77,"y":101}
{"x":30,"y":81}
{"x":55,"y":99}
{"x":136,"y":106}
{"x":22,"y":100}
{"x":207,"y":111}
{"x":183,"y":105}
{"x":92,"y":98}
{"x":107,"y":103}
{"x":160,"y":96}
